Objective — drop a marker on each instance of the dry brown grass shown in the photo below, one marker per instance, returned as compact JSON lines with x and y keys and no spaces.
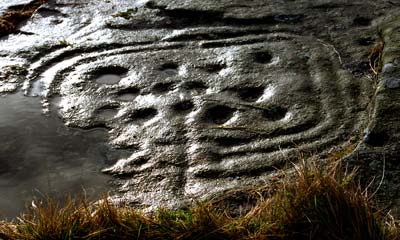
{"x":318,"y":203}
{"x":10,"y":19}
{"x":375,"y":58}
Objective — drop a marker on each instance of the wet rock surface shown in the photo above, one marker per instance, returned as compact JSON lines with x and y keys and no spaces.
{"x":41,"y":157}
{"x":210,"y":96}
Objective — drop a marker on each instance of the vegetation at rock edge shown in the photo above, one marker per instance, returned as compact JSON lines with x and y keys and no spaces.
{"x":10,"y":20}
{"x":313,"y":202}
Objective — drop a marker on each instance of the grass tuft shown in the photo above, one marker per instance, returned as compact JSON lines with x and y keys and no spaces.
{"x":375,"y":58}
{"x":9,"y":20}
{"x":126,"y":14}
{"x":319,"y":202}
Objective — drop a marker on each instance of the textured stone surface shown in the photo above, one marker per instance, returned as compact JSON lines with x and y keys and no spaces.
{"x":210,"y":96}
{"x":378,"y":154}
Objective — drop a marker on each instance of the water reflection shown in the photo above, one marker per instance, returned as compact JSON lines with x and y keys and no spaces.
{"x":38,"y":154}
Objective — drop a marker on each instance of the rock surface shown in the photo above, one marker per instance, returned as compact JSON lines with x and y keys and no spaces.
{"x":213,"y":95}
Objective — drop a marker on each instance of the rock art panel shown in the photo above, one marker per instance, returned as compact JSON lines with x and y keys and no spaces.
{"x":203,"y":116}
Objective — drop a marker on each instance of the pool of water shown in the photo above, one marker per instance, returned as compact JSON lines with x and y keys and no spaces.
{"x":40,"y":156}
{"x":108,"y":79}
